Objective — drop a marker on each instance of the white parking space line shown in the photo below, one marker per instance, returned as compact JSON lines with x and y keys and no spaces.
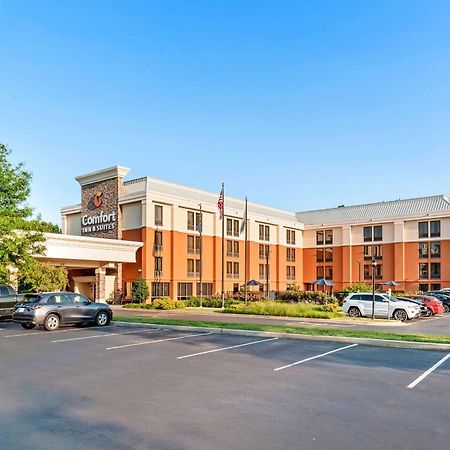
{"x":226,"y":348}
{"x":106,"y":335}
{"x":425,"y":374}
{"x":315,"y":357}
{"x":158,"y":340}
{"x":46,"y":333}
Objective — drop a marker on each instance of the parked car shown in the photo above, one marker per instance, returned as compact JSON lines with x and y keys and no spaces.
{"x":424,"y":311}
{"x":8,"y":300}
{"x":52,"y":309}
{"x":443,"y":297}
{"x":433,"y":304}
{"x":360,"y":304}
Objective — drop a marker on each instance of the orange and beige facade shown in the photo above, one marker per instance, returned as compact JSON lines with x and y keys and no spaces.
{"x":409,"y":239}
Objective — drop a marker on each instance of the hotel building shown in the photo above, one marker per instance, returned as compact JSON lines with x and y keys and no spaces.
{"x":149,"y":227}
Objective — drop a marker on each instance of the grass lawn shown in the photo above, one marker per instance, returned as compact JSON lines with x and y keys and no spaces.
{"x":316,"y":331}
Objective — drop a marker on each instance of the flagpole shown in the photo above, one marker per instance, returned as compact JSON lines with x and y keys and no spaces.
{"x":223,"y":248}
{"x":245,"y":251}
{"x":201,"y":255}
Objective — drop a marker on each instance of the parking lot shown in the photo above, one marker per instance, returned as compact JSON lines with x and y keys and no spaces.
{"x":125,"y":386}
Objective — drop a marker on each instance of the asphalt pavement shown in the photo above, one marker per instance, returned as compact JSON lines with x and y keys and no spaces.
{"x":141,"y":387}
{"x":438,"y":325}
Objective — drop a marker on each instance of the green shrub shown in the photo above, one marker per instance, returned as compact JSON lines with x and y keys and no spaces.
{"x":167,"y":303}
{"x":138,"y":306}
{"x":210,"y":302}
{"x":278,"y":308}
{"x":315,"y":297}
{"x":139,"y":290}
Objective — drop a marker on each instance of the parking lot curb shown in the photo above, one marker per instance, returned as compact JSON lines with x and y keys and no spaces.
{"x":343,"y":339}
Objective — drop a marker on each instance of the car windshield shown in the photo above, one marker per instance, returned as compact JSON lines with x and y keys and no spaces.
{"x":394,"y":299}
{"x":31,"y":298}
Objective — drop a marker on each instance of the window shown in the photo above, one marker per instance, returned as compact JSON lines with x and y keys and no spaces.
{"x":435,"y":228}
{"x":328,"y":255}
{"x":207,"y":289}
{"x":328,"y":272}
{"x":328,"y":237}
{"x":236,"y":269}
{"x":378,"y":251}
{"x":233,"y":248}
{"x":193,"y":267}
{"x":233,"y":227}
{"x":423,"y":230}
{"x":319,"y":237}
{"x":184,"y":291}
{"x":158,"y":241}
{"x":423,"y":249}
{"x":378,"y":233}
{"x":320,"y":272}
{"x":158,"y":266}
{"x":262,"y":271}
{"x":193,"y":220}
{"x":379,"y":272}
{"x":160,"y":289}
{"x":232,"y":269}
{"x":435,"y":249}
{"x":435,"y":286}
{"x":423,"y":271}
{"x":193,"y":244}
{"x":319,"y":255}
{"x":435,"y":270}
{"x":367,"y":272}
{"x":290,"y":255}
{"x":158,"y":215}
{"x":367,"y":252}
{"x":290,"y":272}
{"x":263,"y":251}
{"x":423,"y":287}
{"x":367,"y":234}
{"x":264,"y":232}
{"x":290,"y":237}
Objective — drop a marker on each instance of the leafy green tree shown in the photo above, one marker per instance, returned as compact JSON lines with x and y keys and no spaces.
{"x":20,"y":236}
{"x":140,"y":290}
{"x":357,"y":287}
{"x":35,"y":276}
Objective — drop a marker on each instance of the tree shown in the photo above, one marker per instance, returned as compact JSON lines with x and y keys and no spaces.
{"x":36,"y":276}
{"x":139,"y":290}
{"x":20,"y":236}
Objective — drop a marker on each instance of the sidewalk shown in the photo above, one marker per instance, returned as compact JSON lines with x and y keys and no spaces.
{"x":435,"y":325}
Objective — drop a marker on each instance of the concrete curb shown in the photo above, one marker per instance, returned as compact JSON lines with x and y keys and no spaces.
{"x":347,"y":340}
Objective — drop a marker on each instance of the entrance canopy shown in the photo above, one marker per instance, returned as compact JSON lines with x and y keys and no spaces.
{"x":86,"y":252}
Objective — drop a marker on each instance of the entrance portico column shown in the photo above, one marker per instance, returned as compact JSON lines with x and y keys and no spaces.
{"x":100,"y":293}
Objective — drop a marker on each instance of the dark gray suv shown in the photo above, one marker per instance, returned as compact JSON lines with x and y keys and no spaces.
{"x":52,"y":309}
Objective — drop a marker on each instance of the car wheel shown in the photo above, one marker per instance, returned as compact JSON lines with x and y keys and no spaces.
{"x":102,"y":319}
{"x":52,"y":322}
{"x":446,"y":308}
{"x":354,"y":312}
{"x":428,"y":313}
{"x":28,"y":326}
{"x":400,"y":314}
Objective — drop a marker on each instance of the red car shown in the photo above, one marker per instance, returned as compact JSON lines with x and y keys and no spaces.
{"x":433,"y":305}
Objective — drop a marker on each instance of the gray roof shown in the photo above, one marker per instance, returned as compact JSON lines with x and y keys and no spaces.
{"x":381,"y":210}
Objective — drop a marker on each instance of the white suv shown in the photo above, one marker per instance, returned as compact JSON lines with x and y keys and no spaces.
{"x":360,"y":304}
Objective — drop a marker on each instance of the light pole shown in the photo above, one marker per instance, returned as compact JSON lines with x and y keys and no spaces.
{"x":374,"y":266}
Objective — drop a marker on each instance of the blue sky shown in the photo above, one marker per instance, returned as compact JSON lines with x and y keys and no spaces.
{"x":296,"y":104}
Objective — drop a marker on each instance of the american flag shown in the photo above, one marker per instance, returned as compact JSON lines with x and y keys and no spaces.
{"x":220,"y":204}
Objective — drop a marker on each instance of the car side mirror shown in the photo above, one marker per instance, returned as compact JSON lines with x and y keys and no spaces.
{"x":385,"y":300}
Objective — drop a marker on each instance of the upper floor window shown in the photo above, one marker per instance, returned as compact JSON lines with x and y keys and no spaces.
{"x":290,"y":254}
{"x":158,"y":240}
{"x":435,"y":228}
{"x":264,"y":232}
{"x":233,"y":227}
{"x":193,"y":244}
{"x":290,"y":237}
{"x":319,"y":237}
{"x":328,"y":255}
{"x":429,"y":229}
{"x":263,"y":251}
{"x":373,"y":233}
{"x":328,"y":237}
{"x":193,"y":220}
{"x":319,"y":255}
{"x":435,"y":249}
{"x":158,"y":215}
{"x":233,"y":248}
